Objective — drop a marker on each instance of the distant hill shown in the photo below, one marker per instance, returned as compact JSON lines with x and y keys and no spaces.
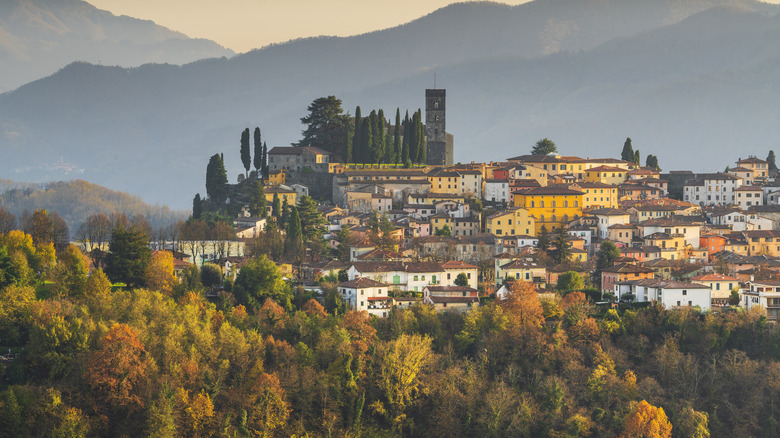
{"x":38,"y":37}
{"x":76,"y":200}
{"x":674,"y":76}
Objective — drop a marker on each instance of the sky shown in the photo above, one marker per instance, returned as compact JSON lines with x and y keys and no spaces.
{"x":243,"y":25}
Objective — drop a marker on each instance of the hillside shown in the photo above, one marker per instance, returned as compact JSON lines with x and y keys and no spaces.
{"x":37,"y":37}
{"x":76,"y":200}
{"x":709,"y":79}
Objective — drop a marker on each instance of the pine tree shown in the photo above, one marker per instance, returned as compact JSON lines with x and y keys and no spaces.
{"x":246,"y":156}
{"x":544,"y":146}
{"x":397,"y":137}
{"x":216,"y":179}
{"x":258,"y":150}
{"x":628,"y":151}
{"x":197,"y":206}
{"x":561,"y":246}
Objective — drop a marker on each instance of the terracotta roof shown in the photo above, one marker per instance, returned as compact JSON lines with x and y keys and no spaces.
{"x":626,"y":268}
{"x":606,"y":169}
{"x":439,"y":299}
{"x":714,"y":277}
{"x":455,"y":264}
{"x":550,"y":190}
{"x":361,"y":283}
{"x":450,"y":289}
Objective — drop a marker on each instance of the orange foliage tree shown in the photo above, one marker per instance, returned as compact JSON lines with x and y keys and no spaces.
{"x":523,"y":306}
{"x":647,"y":421}
{"x":118,"y":369}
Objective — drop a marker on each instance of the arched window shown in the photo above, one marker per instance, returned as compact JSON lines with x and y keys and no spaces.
{"x":566,"y":218}
{"x":541,"y":218}
{"x":553,"y":203}
{"x":565,"y":203}
{"x":553,"y":218}
{"x":532,"y":204}
{"x":541,"y":204}
{"x":576,"y":203}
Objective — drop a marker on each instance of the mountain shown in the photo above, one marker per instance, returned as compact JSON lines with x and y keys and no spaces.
{"x":674,"y":76}
{"x":37,"y":37}
{"x":76,"y":200}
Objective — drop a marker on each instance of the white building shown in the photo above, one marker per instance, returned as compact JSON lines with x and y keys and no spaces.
{"x":712,"y":189}
{"x":765,"y":294}
{"x":496,"y":190}
{"x":608,"y":217}
{"x":748,"y":196}
{"x":667,"y":292}
{"x":366,"y":294}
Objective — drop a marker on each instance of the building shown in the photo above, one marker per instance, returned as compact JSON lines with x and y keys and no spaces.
{"x":667,"y":292}
{"x":552,"y":206}
{"x":451,"y":298}
{"x":597,"y":194}
{"x":720,"y":287}
{"x":621,"y":273}
{"x":512,"y":222}
{"x":608,"y":217}
{"x":764,"y":294}
{"x":439,"y":144}
{"x":711,"y":189}
{"x":366,"y":294}
{"x":297,"y":159}
{"x":606,"y":175}
{"x":496,"y":190}
{"x":747,"y":196}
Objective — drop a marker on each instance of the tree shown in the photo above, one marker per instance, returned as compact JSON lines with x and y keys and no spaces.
{"x":461,"y":280}
{"x":326,"y":127}
{"x":647,"y":421}
{"x":293,"y":243}
{"x":771,"y":160}
{"x":118,"y":369}
{"x":693,"y":424}
{"x":606,"y":256}
{"x":268,"y":409}
{"x":628,"y":151}
{"x":216,"y":179}
{"x":264,"y":170}
{"x":561,"y":246}
{"x":354,"y":154}
{"x":651,"y":161}
{"x":636,"y":157}
{"x":197,"y":206}
{"x":246,"y":155}
{"x":159,"y":273}
{"x":276,"y":206}
{"x":257,"y":160}
{"x":211,"y":275}
{"x":7,"y":221}
{"x":257,"y":200}
{"x":543,"y":239}
{"x":444,"y":231}
{"x":544,"y":146}
{"x":313,"y":223}
{"x":70,"y":273}
{"x":46,"y":227}
{"x":397,"y":137}
{"x":570,"y":281}
{"x":129,"y":256}
{"x":260,"y":279}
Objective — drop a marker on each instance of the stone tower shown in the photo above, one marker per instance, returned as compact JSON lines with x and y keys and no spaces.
{"x":439,"y":144}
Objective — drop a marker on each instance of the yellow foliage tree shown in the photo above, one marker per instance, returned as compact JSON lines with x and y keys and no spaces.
{"x":647,"y":421}
{"x":159,"y":274}
{"x":196,"y":414}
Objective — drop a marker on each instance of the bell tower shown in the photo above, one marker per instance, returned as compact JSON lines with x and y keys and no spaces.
{"x":438,"y":148}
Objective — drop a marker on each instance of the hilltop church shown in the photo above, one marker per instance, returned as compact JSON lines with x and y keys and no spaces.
{"x":439,"y":144}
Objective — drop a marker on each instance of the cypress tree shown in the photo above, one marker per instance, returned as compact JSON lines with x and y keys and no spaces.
{"x":258,"y":150}
{"x":276,"y":208}
{"x":628,"y":151}
{"x":770,"y":159}
{"x":264,"y":162}
{"x":285,"y":213}
{"x":397,"y":136}
{"x":293,"y":244}
{"x":197,"y":206}
{"x":357,"y":142}
{"x":257,"y":200}
{"x":636,"y":157}
{"x":366,"y":137}
{"x":406,"y":154}
{"x":379,"y":135}
{"x":421,"y":152}
{"x":246,"y":156}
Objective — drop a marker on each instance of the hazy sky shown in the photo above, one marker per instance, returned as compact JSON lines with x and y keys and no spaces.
{"x":243,"y":25}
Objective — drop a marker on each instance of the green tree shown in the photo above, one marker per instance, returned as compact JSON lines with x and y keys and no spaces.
{"x":461,"y":280}
{"x":197,"y":206}
{"x":636,"y":159}
{"x":285,"y":215}
{"x":129,"y":256}
{"x":210,"y":275}
{"x":771,"y":160}
{"x":606,"y":256}
{"x":257,"y":203}
{"x":397,"y":137}
{"x":570,"y":281}
{"x":276,"y":206}
{"x":355,"y":152}
{"x":544,"y":146}
{"x":628,"y":151}
{"x":366,"y":141}
{"x":405,"y":154}
{"x":561,"y":246}
{"x":265,"y":161}
{"x":326,"y":126}
{"x":260,"y":279}
{"x":246,"y":155}
{"x":293,"y":243}
{"x":313,"y":223}
{"x":216,"y":179}
{"x":70,"y":274}
{"x":444,"y":231}
{"x":651,"y":161}
{"x":543,"y":239}
{"x":258,"y":150}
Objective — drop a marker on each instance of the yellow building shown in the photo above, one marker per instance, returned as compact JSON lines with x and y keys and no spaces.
{"x":445,"y":181}
{"x":597,"y":194}
{"x":606,"y":175}
{"x":441,"y":220}
{"x":276,"y":177}
{"x":551,"y":206}
{"x":283,"y":194}
{"x":432,"y":198}
{"x":512,"y":222}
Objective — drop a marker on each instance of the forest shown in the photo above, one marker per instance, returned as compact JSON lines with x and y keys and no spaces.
{"x":104,"y":354}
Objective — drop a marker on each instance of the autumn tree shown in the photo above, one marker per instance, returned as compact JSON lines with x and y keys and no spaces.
{"x":7,"y":221}
{"x":522,"y":305}
{"x":117,"y":371}
{"x":259,"y":280}
{"x":70,"y":273}
{"x":159,"y":274}
{"x":267,"y":409}
{"x":647,"y":421}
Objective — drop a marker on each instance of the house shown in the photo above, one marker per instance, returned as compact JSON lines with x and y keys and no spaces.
{"x":667,"y":292}
{"x":720,"y":287}
{"x":444,"y":181}
{"x":606,"y":175}
{"x":764,"y":294}
{"x":621,"y":273}
{"x":711,"y":189}
{"x":453,"y":268}
{"x":519,"y":269}
{"x":759,"y":167}
{"x":291,"y":158}
{"x":451,"y":298}
{"x":763,"y":242}
{"x":249,"y":227}
{"x":366,"y":294}
{"x":395,"y":183}
{"x":466,"y":226}
{"x":496,"y":191}
{"x":597,"y":194}
{"x":282,"y":192}
{"x":626,"y":234}
{"x":748,"y":196}
{"x":608,"y":217}
{"x":690,"y":231}
{"x":511,"y":222}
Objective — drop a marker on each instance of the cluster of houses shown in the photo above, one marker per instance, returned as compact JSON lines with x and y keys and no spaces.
{"x":714,"y":235}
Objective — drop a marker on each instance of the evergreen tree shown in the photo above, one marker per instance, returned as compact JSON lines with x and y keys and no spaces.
{"x":771,"y":160}
{"x":420,"y":137}
{"x":357,"y":138}
{"x":276,"y":207}
{"x":543,"y":239}
{"x":628,"y":151}
{"x":544,"y":146}
{"x":606,"y":256}
{"x":257,"y":200}
{"x":246,"y":155}
{"x":412,"y":133}
{"x":197,"y":206}
{"x":129,"y":256}
{"x":405,"y":152}
{"x":216,"y":179}
{"x":293,"y":242}
{"x":387,"y":150}
{"x":636,"y":157}
{"x":258,"y":150}
{"x":397,"y":137}
{"x":326,"y":126}
{"x":651,"y":161}
{"x":561,"y":246}
{"x":366,"y":137}
{"x":265,"y":162}
{"x":285,"y":214}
